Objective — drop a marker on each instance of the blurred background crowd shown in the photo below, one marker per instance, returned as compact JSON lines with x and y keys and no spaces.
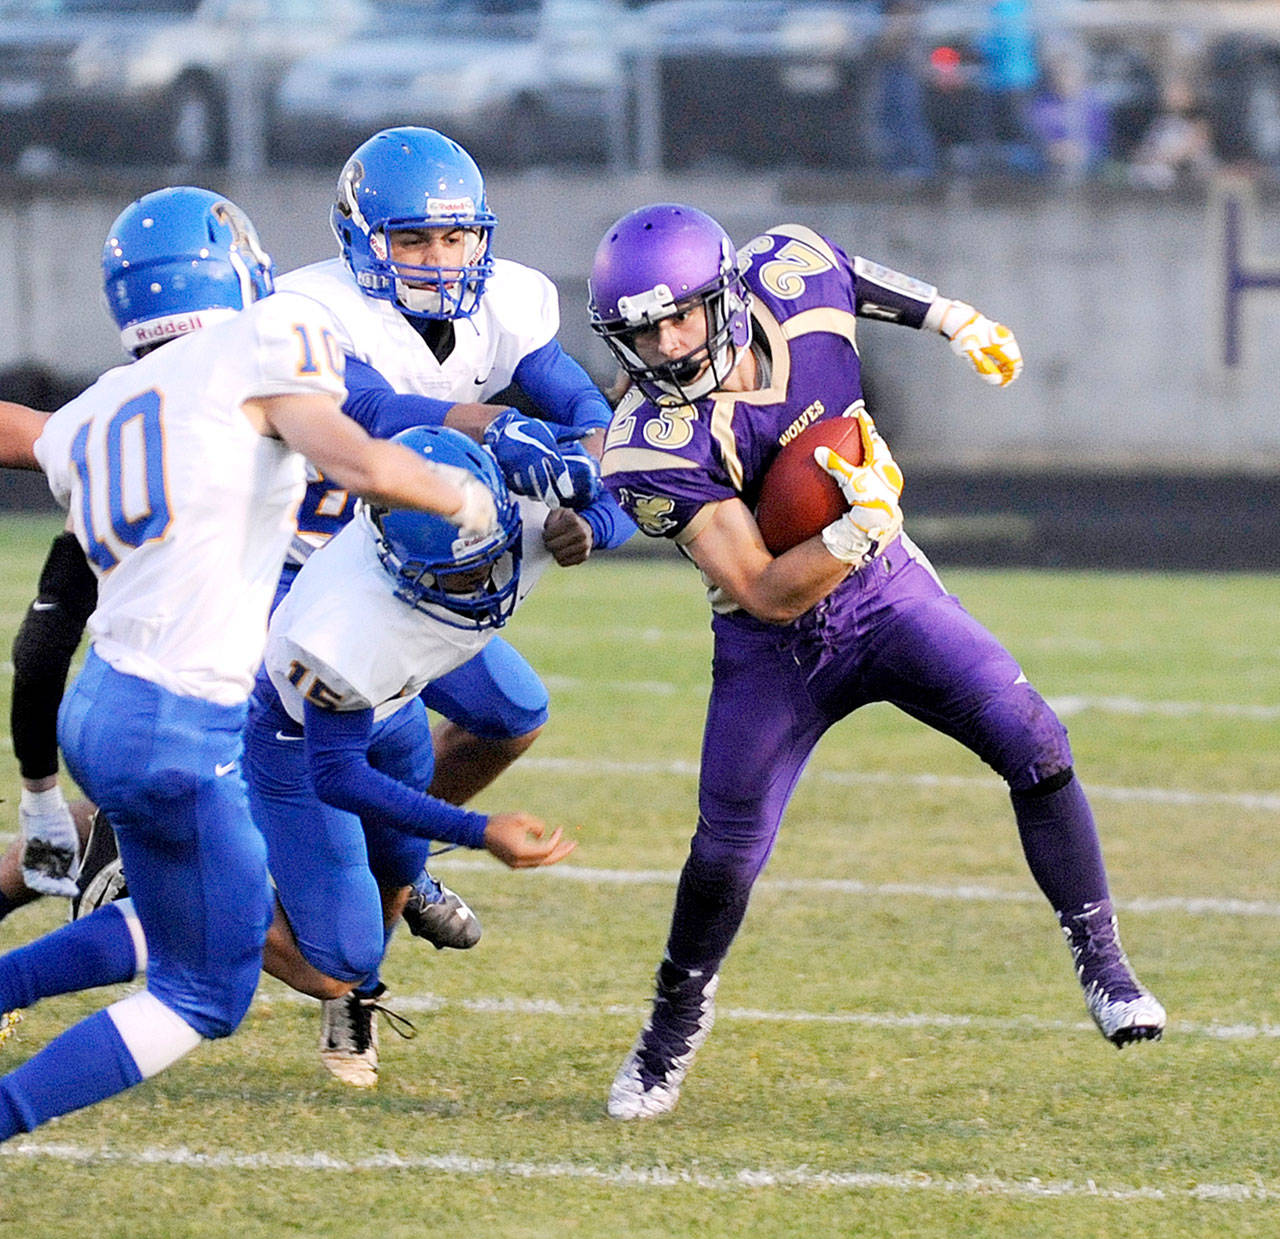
{"x":1102,"y":175}
{"x":1149,"y":93}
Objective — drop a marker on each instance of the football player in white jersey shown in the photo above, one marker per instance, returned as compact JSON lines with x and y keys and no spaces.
{"x":338,"y":754}
{"x":181,"y":473}
{"x":432,"y":322}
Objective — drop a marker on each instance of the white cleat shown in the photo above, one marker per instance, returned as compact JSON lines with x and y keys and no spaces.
{"x":630,"y":1099}
{"x":349,"y":1040}
{"x":648,"y":1082}
{"x":1136,"y":1019}
{"x":1121,"y":1006}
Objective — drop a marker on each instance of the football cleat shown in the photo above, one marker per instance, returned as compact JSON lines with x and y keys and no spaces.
{"x":435,"y":913}
{"x":9,"y":1022}
{"x":1123,"y":1009}
{"x":648,"y":1082}
{"x":349,"y":1036}
{"x":101,"y":878}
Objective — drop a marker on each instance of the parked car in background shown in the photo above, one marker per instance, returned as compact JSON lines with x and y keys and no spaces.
{"x":518,"y":83}
{"x":741,"y":83}
{"x":142,"y":81}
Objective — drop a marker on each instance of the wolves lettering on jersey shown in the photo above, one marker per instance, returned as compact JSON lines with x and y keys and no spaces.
{"x":665,"y":461}
{"x":183,"y":508}
{"x":518,"y":314}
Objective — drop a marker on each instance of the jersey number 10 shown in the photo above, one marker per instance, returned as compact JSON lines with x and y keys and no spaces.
{"x":136,"y":503}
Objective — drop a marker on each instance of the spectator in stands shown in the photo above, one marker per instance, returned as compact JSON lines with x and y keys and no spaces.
{"x":1178,"y":148}
{"x":1010,"y":75}
{"x":1070,"y":120}
{"x":904,"y":140}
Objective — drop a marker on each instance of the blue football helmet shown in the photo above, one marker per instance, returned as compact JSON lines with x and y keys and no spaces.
{"x":654,"y":262}
{"x":413,"y":178}
{"x":462,"y":582}
{"x":178,"y":259}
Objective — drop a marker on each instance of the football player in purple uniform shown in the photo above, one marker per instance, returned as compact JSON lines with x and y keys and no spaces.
{"x":729,"y":354}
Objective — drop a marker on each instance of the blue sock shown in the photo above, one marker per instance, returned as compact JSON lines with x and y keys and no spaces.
{"x":88,"y":1063}
{"x":96,"y":950}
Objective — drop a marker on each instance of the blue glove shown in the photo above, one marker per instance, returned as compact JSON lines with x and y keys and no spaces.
{"x":534,"y":464}
{"x":584,"y":473}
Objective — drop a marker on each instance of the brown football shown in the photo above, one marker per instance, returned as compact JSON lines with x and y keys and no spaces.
{"x":798,"y":499}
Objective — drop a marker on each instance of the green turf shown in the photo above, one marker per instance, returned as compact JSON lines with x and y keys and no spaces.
{"x":901,"y":1051}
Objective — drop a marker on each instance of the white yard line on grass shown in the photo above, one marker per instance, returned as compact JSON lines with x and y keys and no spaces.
{"x":1067,"y":704}
{"x":1192,"y":905}
{"x":1267,"y":802}
{"x":863,"y":1019}
{"x":746,"y":1177}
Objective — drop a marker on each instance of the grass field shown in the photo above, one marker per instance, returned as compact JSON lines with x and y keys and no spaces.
{"x":902,"y":1049}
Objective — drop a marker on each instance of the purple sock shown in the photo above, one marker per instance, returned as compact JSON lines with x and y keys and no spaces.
{"x":1060,"y":842}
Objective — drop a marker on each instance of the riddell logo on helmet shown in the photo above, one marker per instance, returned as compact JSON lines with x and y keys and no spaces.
{"x":449,"y":208}
{"x":166,"y":329}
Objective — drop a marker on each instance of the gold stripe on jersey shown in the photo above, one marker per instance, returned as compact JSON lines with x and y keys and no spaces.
{"x":642,"y":460}
{"x":699,"y":521}
{"x":806,"y":236}
{"x":824,"y":318}
{"x":722,"y":432}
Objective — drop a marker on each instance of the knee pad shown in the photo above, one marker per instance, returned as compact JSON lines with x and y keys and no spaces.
{"x":1022,"y":739}
{"x":496,"y":695}
{"x":351,"y":949}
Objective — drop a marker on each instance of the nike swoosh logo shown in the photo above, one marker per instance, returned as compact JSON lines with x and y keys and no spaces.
{"x":514,"y":432}
{"x":227,"y":769}
{"x":281,"y":736}
{"x":483,"y":381}
{"x":44,"y":606}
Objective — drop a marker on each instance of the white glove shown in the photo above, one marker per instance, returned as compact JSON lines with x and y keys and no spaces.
{"x":989,"y":345}
{"x":50,"y":843}
{"x":478,"y":515}
{"x":874,"y":518}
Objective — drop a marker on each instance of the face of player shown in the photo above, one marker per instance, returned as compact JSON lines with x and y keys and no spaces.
{"x":465,"y":582}
{"x":450,"y":247}
{"x":678,"y":335}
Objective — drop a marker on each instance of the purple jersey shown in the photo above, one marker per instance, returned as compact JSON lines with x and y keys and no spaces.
{"x":666,"y":461}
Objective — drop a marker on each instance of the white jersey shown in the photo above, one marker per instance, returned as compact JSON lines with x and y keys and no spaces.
{"x":319,"y":645}
{"x":184,"y":510}
{"x":518,"y":314}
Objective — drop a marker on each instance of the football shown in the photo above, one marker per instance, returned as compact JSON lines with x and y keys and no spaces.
{"x":798,"y":499}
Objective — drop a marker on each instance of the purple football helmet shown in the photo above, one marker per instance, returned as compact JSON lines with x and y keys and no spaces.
{"x":658,"y":261}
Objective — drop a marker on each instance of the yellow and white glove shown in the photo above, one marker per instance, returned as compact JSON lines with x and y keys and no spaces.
{"x":989,"y":345}
{"x":874,"y":518}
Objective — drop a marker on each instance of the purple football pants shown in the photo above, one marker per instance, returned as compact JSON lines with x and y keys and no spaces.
{"x":889,"y":632}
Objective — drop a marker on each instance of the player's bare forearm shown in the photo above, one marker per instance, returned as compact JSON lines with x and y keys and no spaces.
{"x":20,"y":427}
{"x":471,"y":419}
{"x":384,"y":473}
{"x":730,"y":550}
